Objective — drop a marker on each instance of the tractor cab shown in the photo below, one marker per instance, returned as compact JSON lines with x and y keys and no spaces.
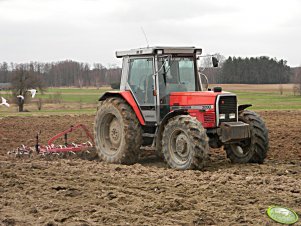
{"x":152,"y":75}
{"x":163,"y":105}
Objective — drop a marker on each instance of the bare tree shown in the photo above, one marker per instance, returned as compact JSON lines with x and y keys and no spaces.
{"x":24,"y":78}
{"x":208,"y":69}
{"x":206,"y":61}
{"x":221,"y":59}
{"x":98,"y":75}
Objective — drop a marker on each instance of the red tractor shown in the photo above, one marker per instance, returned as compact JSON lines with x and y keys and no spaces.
{"x":162,"y":104}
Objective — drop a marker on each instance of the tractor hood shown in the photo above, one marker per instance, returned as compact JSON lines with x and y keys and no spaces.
{"x":194,"y":98}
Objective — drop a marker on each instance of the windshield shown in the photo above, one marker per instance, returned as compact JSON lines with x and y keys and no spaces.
{"x":176,"y":74}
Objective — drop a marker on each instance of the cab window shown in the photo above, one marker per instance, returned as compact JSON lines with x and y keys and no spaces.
{"x":141,"y":79}
{"x":176,"y":74}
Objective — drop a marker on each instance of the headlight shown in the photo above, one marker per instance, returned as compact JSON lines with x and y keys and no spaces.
{"x":222,"y":116}
{"x":232,"y":115}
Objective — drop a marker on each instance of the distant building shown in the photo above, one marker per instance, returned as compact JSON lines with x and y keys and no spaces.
{"x":5,"y":86}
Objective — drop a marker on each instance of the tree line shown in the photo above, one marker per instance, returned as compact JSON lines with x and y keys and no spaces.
{"x":258,"y":70}
{"x":62,"y":73}
{"x":254,"y":70}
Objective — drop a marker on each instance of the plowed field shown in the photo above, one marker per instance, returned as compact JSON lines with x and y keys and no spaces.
{"x":36,"y":191}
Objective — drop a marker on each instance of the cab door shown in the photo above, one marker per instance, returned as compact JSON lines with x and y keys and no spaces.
{"x":141,"y":83}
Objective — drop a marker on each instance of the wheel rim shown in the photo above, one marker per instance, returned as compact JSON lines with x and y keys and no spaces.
{"x":110,"y":134}
{"x":179,"y":147}
{"x":114,"y":132}
{"x":241,"y":149}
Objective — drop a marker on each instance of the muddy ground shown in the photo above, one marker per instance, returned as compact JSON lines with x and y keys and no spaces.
{"x":79,"y":192}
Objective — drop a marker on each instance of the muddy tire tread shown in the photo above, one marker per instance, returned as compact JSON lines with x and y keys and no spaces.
{"x":259,"y":139}
{"x":197,"y":136}
{"x":132,"y":132}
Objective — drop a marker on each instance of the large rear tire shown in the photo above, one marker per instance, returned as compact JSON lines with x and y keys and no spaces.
{"x":117,"y":132}
{"x":253,"y":150}
{"x":185,"y":143}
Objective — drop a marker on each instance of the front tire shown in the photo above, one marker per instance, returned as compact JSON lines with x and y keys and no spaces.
{"x":117,"y":132}
{"x":185,"y":143}
{"x":253,"y":150}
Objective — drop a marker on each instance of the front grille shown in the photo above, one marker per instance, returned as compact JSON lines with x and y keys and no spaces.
{"x":209,"y":118}
{"x":227,"y":105}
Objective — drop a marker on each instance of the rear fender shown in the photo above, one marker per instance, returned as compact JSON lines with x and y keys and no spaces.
{"x":128,"y":97}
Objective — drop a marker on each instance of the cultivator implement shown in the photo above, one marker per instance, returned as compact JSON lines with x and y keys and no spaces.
{"x":57,"y":149}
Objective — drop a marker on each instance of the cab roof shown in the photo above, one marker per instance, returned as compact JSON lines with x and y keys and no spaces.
{"x":159,"y":50}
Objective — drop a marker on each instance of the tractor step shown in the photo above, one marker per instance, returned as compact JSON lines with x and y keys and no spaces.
{"x":148,"y":148}
{"x":148,"y":135}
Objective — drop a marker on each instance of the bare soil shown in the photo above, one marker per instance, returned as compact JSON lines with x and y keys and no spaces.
{"x":37,"y":191}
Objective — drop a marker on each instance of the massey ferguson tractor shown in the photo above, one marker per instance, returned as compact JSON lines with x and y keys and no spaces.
{"x":163,"y":105}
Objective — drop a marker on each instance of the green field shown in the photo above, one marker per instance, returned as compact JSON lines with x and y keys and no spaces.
{"x":83,"y":95}
{"x":261,"y":100}
{"x":58,"y":101}
{"x":268,"y":100}
{"x":84,"y":101}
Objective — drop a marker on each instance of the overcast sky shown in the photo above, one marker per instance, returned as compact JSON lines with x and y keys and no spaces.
{"x":92,"y":30}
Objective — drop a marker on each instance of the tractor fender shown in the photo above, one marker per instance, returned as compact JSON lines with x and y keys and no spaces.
{"x":128,"y":97}
{"x":165,"y":120}
{"x":243,"y":107}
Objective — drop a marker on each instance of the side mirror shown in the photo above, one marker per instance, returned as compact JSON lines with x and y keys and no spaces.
{"x":215,"y":62}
